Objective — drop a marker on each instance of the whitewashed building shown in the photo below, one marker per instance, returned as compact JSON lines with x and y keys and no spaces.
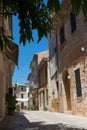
{"x":21,"y":92}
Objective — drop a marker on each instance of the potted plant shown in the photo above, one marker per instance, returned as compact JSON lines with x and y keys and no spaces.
{"x":30,"y":107}
{"x":45,"y":109}
{"x":18,"y":107}
{"x":11,"y":103}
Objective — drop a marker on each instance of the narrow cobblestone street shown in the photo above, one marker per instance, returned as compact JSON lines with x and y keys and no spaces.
{"x":43,"y":120}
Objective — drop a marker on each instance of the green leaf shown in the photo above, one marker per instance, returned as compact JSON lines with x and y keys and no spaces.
{"x":84,"y":7}
{"x":23,"y":39}
{"x":32,"y":14}
{"x":53,"y":5}
{"x":1,"y":44}
{"x":76,"y":4}
{"x":10,"y":37}
{"x":7,"y":42}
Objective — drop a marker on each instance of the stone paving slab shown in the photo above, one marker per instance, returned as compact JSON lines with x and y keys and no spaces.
{"x":57,"y":118}
{"x":37,"y":120}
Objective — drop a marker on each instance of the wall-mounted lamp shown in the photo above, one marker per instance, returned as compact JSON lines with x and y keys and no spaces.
{"x":53,"y":93}
{"x":82,"y":49}
{"x":68,"y":77}
{"x":60,"y":81}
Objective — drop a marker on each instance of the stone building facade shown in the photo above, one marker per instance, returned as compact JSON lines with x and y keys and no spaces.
{"x":71,"y":34}
{"x":6,"y":64}
{"x":33,"y":76}
{"x":44,"y":97}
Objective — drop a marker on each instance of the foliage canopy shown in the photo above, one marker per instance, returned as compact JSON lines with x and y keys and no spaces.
{"x":36,"y":14}
{"x":11,"y":101}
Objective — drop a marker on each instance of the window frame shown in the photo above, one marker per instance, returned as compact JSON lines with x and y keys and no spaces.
{"x":73,"y":22}
{"x":47,"y":96}
{"x":22,"y":95}
{"x":62,"y":35}
{"x":78,"y":83}
{"x":21,"y":88}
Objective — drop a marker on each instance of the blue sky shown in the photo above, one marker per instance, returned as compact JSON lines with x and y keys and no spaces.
{"x":26,"y":54}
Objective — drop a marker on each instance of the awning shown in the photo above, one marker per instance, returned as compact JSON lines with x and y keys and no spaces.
{"x":13,"y":53}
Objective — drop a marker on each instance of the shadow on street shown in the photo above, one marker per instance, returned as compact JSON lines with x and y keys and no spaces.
{"x":19,"y":122}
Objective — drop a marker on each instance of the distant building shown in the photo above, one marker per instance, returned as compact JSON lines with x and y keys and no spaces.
{"x":44,"y":98}
{"x":33,"y":76}
{"x":21,"y":92}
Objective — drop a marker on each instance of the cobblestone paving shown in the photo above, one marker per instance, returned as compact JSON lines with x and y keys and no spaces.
{"x":37,"y":121}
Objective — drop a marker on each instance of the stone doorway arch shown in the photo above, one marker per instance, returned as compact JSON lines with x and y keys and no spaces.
{"x":66,"y":82}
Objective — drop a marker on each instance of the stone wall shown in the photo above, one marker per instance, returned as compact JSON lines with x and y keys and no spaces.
{"x":3,"y":87}
{"x":79,"y":104}
{"x":72,"y":54}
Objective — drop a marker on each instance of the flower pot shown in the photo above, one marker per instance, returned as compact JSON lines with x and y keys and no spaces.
{"x":10,"y":112}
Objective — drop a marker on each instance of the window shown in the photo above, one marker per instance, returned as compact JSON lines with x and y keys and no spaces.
{"x":22,"y":95}
{"x":22,"y":88}
{"x":45,"y":74}
{"x":28,"y":94}
{"x":73,"y":22}
{"x":47,"y":95}
{"x":39,"y":78}
{"x":15,"y":88}
{"x":78,"y":83}
{"x":62,"y":35}
{"x":10,"y":91}
{"x":15,"y":94}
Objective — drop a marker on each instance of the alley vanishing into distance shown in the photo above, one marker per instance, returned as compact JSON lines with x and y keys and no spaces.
{"x":45,"y":85}
{"x":43,"y":120}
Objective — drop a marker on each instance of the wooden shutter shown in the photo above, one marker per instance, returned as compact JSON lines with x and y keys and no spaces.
{"x":73,"y":22}
{"x":62,"y":35}
{"x":78,"y":83}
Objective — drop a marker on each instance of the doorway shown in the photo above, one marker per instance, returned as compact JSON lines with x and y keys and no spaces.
{"x":22,"y":105}
{"x":66,"y":82}
{"x":43,"y":100}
